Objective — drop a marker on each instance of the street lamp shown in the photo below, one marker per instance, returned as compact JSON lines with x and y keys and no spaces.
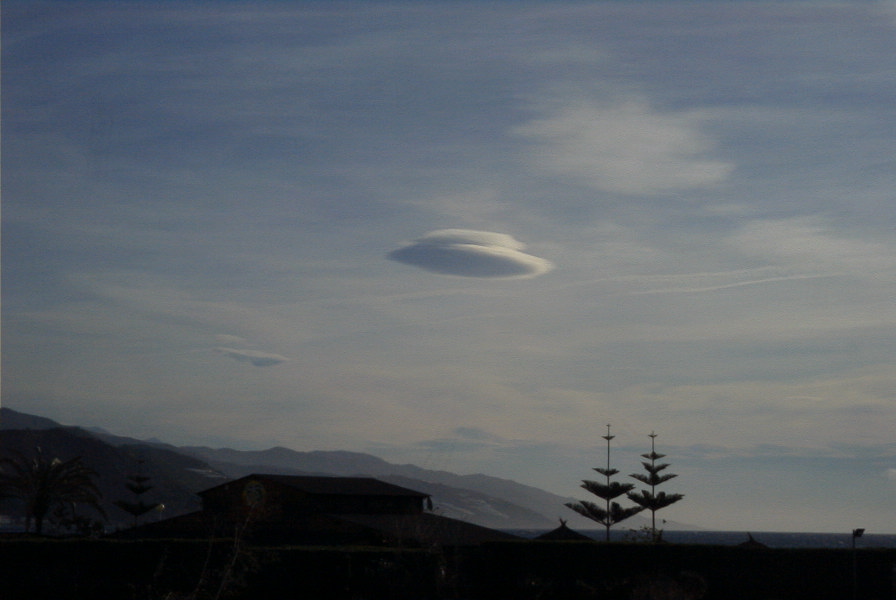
{"x":856,"y":533}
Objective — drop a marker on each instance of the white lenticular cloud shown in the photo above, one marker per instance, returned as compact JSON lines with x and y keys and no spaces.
{"x":256,"y":358}
{"x":627,"y":148}
{"x":470,"y":253}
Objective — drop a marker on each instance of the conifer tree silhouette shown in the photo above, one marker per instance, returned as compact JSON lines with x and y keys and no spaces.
{"x":651,"y":499}
{"x":138,"y":485}
{"x":611,"y":513}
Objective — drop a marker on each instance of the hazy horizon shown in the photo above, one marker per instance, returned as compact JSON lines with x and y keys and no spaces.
{"x":468,"y":236}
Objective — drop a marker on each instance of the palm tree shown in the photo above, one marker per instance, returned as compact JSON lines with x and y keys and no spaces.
{"x":612,"y":512}
{"x":653,"y":500}
{"x":44,"y":485}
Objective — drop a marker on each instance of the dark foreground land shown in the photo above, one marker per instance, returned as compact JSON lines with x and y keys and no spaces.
{"x":38,"y":569}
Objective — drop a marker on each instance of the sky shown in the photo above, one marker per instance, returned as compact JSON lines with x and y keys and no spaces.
{"x":468,"y":236}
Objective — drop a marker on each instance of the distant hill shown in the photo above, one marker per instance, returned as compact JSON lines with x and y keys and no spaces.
{"x":481,"y":499}
{"x":178,"y":473}
{"x":175,"y":477}
{"x":10,"y":419}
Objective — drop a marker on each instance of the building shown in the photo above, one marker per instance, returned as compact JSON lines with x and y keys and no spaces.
{"x":321,"y":511}
{"x":286,"y":497}
{"x":564,"y":534}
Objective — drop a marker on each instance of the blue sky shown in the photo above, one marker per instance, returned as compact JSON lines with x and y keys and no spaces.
{"x":468,"y":235}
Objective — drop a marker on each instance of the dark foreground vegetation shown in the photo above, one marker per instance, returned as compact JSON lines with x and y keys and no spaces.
{"x":38,"y":569}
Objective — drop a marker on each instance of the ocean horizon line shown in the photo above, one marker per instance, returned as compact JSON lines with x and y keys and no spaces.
{"x":772,"y":539}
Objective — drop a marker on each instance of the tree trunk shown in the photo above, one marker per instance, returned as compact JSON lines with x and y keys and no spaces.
{"x":38,"y":524}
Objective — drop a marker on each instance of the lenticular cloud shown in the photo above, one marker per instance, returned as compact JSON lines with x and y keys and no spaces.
{"x":469,"y":253}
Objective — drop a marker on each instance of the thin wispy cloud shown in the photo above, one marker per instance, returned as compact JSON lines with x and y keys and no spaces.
{"x":691,"y":283}
{"x":626,"y":147}
{"x":812,"y":241}
{"x":711,"y":282}
{"x":477,"y":433}
{"x":230,"y":340}
{"x":254,"y":357}
{"x":470,"y":253}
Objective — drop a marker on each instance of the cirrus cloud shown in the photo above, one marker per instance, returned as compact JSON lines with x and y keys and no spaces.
{"x":255,"y":357}
{"x":626,"y":148}
{"x":232,"y":340}
{"x":471,"y":253}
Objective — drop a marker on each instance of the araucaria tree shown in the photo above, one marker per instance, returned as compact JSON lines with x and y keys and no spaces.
{"x":611,"y":512}
{"x":138,"y":485}
{"x":47,"y":485}
{"x":651,"y":499}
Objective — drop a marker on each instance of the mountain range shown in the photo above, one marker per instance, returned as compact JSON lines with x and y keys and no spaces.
{"x":178,"y":473}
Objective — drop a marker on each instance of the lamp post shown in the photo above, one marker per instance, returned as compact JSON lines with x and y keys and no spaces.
{"x":856,"y":533}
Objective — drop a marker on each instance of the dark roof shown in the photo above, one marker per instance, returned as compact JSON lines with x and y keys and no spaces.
{"x":429,"y":529}
{"x":564,"y":533}
{"x":350,"y":486}
{"x":752,"y":543}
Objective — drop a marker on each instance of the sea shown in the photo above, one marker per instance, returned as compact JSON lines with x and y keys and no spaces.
{"x":772,"y":539}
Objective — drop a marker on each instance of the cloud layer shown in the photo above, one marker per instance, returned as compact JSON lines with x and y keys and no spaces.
{"x":470,"y":253}
{"x":255,"y":357}
{"x":724,"y":228}
{"x":627,"y":148}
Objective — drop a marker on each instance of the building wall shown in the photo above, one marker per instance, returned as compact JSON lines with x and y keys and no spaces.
{"x":271,"y":500}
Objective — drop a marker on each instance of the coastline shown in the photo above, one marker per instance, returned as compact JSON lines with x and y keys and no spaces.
{"x":772,"y":539}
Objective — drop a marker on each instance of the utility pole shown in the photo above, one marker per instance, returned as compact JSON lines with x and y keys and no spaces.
{"x":856,"y":533}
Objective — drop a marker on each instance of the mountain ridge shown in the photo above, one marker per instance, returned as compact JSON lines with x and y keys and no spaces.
{"x":183,"y":471}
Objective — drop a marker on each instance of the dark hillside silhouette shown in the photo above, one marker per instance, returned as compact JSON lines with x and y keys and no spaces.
{"x":179,"y":473}
{"x":176,"y":477}
{"x":482,"y":499}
